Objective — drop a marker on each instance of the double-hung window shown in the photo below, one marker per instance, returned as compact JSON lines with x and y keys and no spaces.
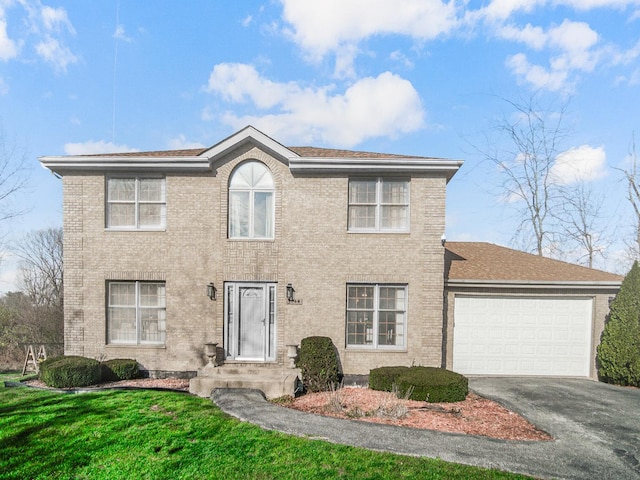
{"x":378,"y":205}
{"x":376,"y":316}
{"x":136,"y":203}
{"x":136,"y":313}
{"x":251,"y":212}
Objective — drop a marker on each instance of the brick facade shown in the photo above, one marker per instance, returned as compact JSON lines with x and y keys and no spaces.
{"x":312,"y":250}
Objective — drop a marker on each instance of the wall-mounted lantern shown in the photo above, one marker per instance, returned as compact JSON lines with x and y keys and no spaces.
{"x":291,"y":293}
{"x":211,"y":291}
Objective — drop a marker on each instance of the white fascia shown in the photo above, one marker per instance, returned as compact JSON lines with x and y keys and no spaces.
{"x":603,"y":285}
{"x":62,"y":165}
{"x":248,"y":135}
{"x":382,"y":164}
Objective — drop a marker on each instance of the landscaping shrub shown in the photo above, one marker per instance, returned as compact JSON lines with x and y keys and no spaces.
{"x":318,"y":361}
{"x":429,"y":384}
{"x":71,"y":371}
{"x":618,"y":354}
{"x":119,"y":369}
{"x":384,"y":378}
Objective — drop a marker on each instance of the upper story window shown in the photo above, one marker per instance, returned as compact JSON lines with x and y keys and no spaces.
{"x":136,"y":203}
{"x":378,"y":205}
{"x":251,"y":212}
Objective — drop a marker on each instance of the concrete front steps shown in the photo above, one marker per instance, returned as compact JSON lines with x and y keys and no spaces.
{"x":274,"y":380}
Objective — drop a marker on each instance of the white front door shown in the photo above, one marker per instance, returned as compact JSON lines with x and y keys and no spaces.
{"x":250,"y":321}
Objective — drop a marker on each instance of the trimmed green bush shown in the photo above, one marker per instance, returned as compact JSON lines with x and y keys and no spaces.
{"x":434,"y":385}
{"x":318,"y":361}
{"x":384,"y":378}
{"x":618,"y":354}
{"x":430,"y":384}
{"x":69,"y":372}
{"x":119,"y":369}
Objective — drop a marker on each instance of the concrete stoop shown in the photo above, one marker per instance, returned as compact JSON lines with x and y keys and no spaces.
{"x":273,"y":381}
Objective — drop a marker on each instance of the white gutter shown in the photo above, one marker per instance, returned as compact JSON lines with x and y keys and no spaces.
{"x":62,"y":164}
{"x":536,"y":284}
{"x":377,"y":164}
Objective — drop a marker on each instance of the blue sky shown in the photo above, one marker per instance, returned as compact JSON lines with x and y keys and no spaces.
{"x":418,"y":77}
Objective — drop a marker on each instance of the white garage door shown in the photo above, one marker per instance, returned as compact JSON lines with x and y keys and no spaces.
{"x":522,"y":336}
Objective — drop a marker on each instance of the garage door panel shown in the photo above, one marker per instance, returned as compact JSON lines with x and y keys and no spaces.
{"x":522,"y":335}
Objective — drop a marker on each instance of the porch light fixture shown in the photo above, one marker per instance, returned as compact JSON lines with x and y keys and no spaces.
{"x":211,"y":291}
{"x":291,"y":293}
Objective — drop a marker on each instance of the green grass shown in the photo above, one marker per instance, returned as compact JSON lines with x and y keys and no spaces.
{"x":157,"y":435}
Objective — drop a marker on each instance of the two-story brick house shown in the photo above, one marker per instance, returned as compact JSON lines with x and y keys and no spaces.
{"x":254,"y":246}
{"x":355,"y":236}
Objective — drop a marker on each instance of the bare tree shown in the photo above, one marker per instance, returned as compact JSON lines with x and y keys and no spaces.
{"x":40,"y":254}
{"x":14,"y":175}
{"x":631,"y":175}
{"x":525,"y":151}
{"x":34,"y":315}
{"x":581,"y":223}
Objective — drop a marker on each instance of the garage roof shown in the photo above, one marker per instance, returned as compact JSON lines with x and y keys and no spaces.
{"x":488,"y":264}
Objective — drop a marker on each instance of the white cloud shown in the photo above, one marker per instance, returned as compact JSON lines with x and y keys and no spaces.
{"x":121,"y":34}
{"x":4,"y":88}
{"x":55,"y":19}
{"x":92,"y":147}
{"x":44,"y":30}
{"x":584,"y":163}
{"x":398,"y":56}
{"x":575,"y":43}
{"x":8,"y":48}
{"x":338,"y":26}
{"x":575,"y":40}
{"x":533,"y":37}
{"x":181,"y":143}
{"x":239,"y":83}
{"x":382,"y":106}
{"x":207,"y":114}
{"x":536,"y":75}
{"x":593,"y":4}
{"x":626,"y":57}
{"x":503,"y":9}
{"x":55,"y":53}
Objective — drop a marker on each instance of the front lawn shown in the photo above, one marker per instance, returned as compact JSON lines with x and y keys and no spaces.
{"x":153,"y":434}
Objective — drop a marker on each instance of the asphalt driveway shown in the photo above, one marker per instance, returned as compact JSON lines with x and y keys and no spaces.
{"x":596,"y":428}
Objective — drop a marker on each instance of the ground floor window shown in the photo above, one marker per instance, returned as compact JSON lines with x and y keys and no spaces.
{"x":136,"y":313}
{"x":376,"y":315}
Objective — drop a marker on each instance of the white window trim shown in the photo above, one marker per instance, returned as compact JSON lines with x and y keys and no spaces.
{"x":138,"y":341}
{"x":379,"y":204}
{"x":136,"y":227}
{"x":376,"y":310}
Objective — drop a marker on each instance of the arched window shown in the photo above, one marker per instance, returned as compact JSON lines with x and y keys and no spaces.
{"x":251,"y":201}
